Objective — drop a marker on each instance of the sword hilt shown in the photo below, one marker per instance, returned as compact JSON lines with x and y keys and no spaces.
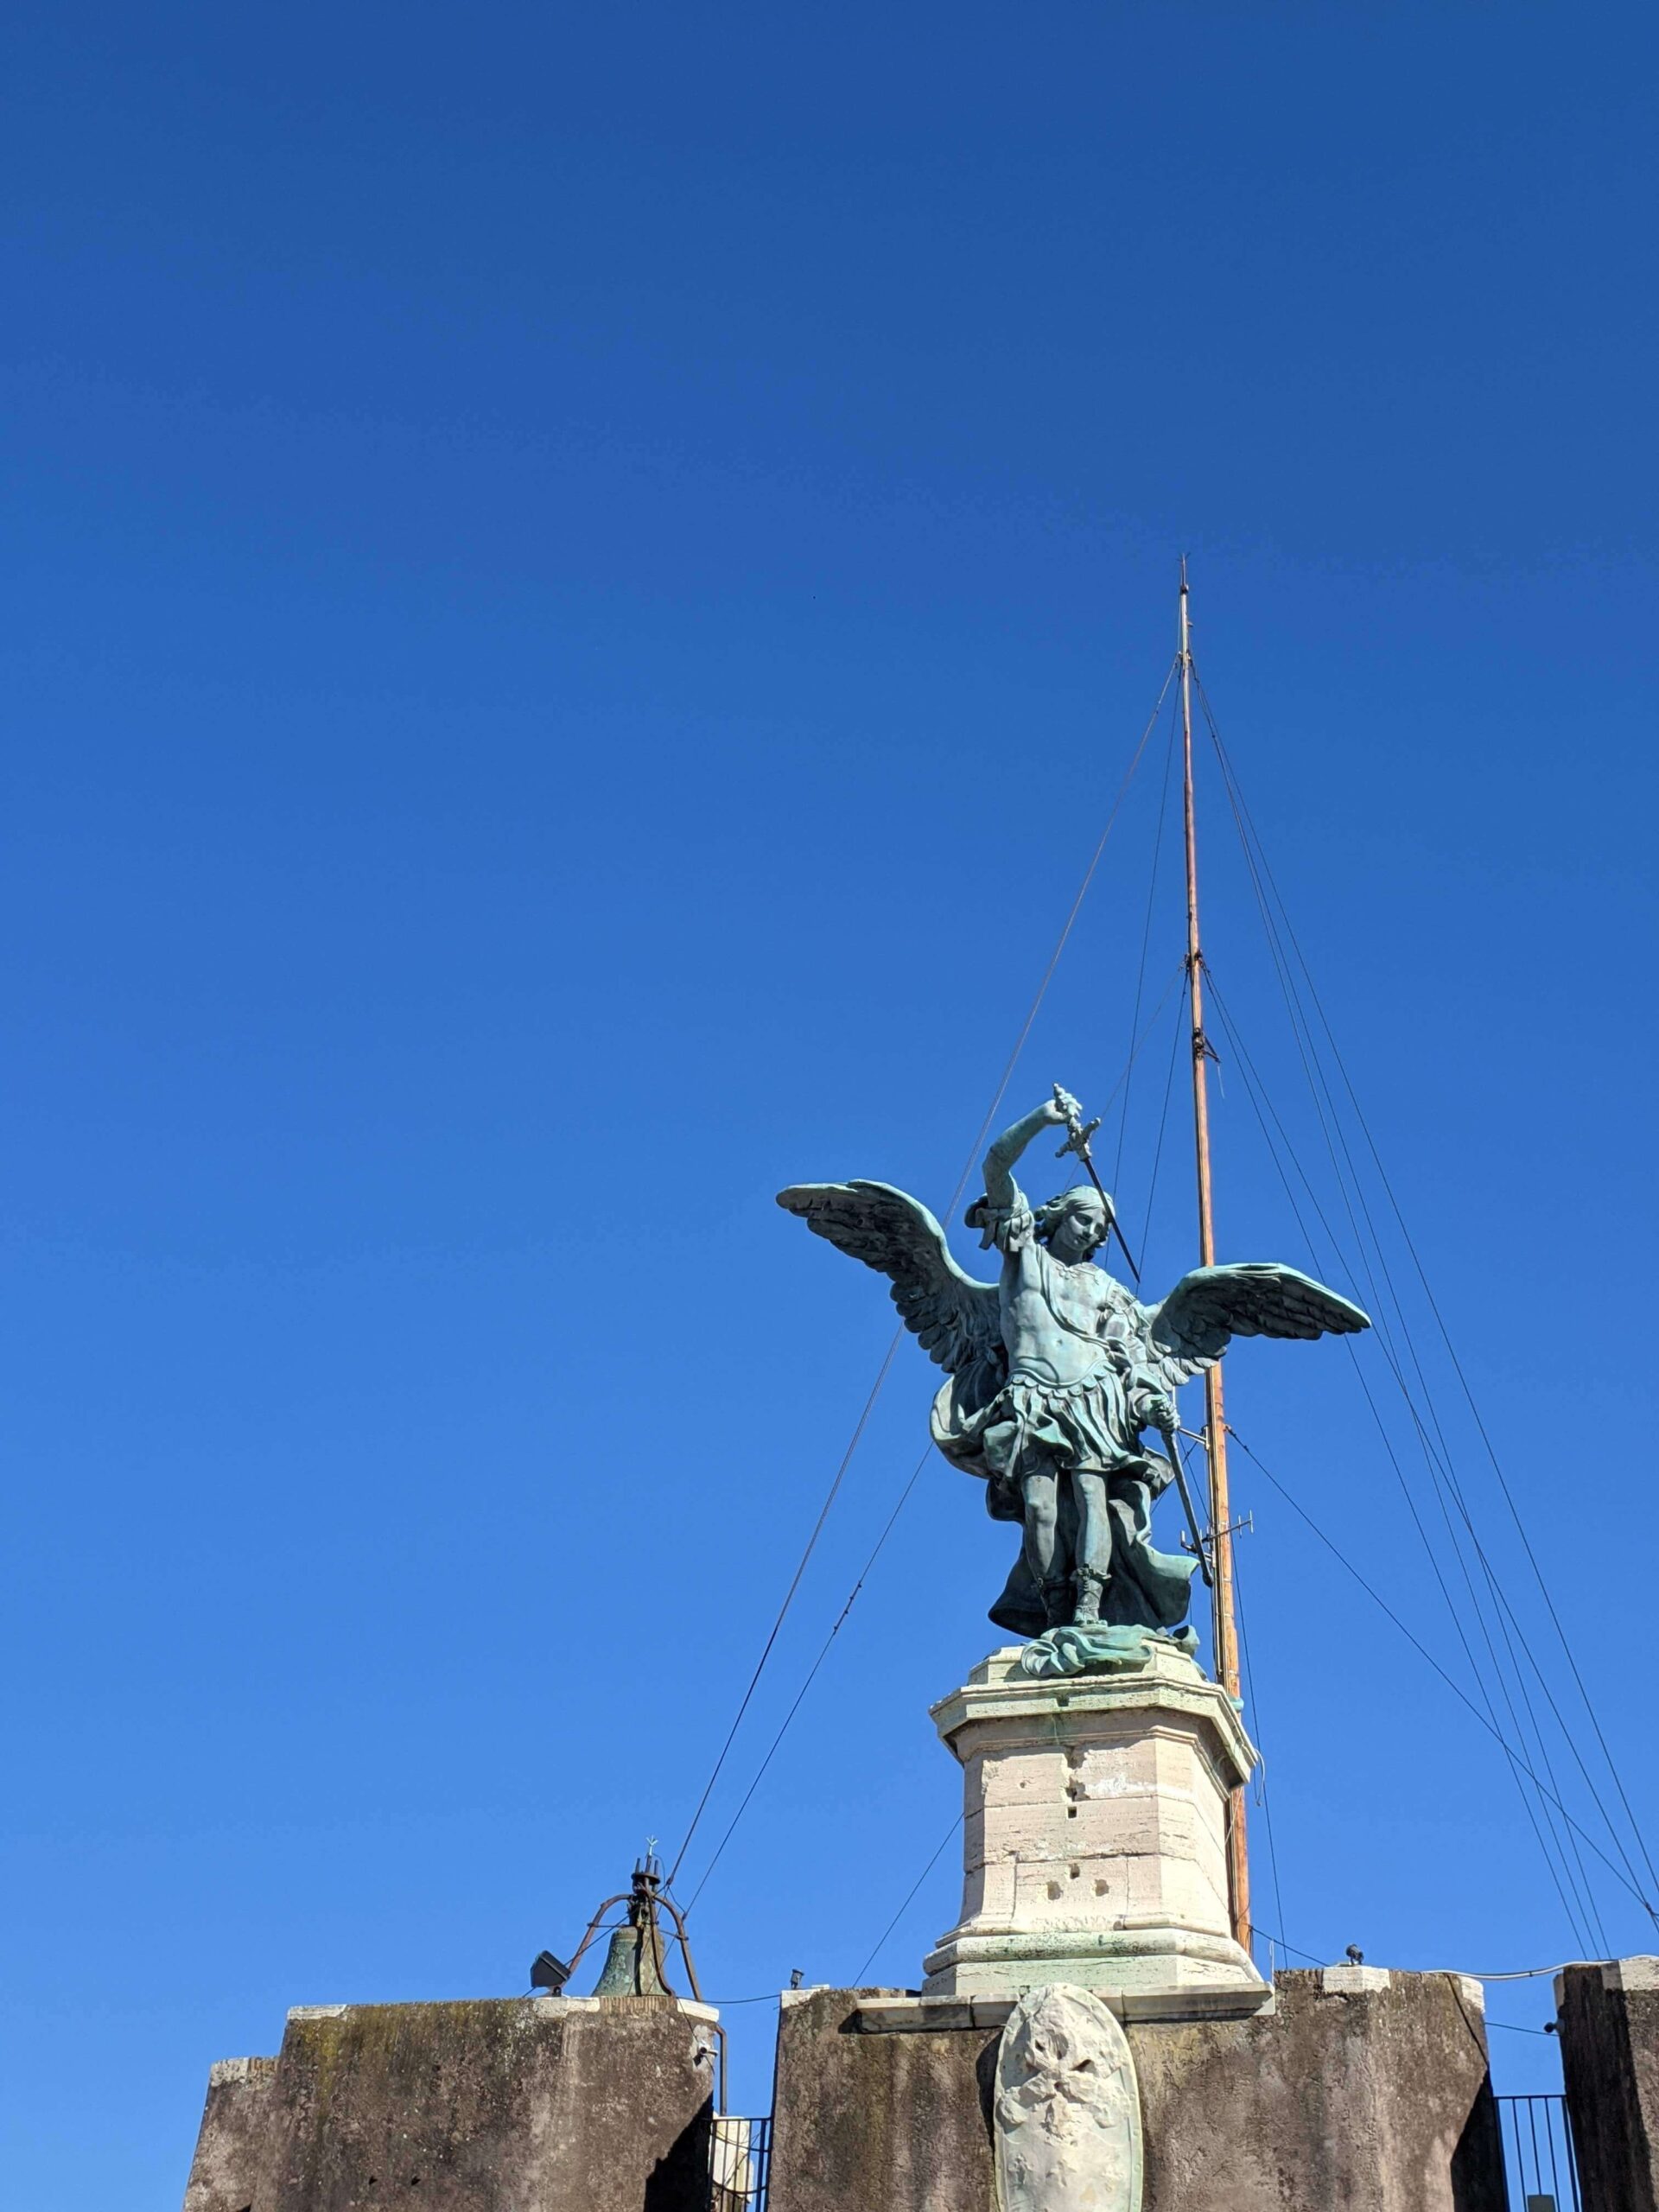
{"x":1078,"y":1141}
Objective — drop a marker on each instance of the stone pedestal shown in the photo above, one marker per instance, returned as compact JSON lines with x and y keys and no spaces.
{"x":1094,"y":1846}
{"x":596,"y":2104}
{"x":1609,"y":2018}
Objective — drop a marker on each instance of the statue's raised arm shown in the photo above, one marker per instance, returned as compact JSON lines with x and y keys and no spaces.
{"x":1001,"y":1190}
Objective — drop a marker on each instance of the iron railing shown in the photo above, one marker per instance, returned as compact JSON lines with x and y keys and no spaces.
{"x":740,"y":2164}
{"x":1539,"y":2161}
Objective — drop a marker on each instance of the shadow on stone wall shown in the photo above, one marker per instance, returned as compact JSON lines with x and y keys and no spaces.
{"x":1478,"y":2184}
{"x":679,"y":2180}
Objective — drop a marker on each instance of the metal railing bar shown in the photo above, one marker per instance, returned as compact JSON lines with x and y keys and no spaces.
{"x":1536,"y":2132}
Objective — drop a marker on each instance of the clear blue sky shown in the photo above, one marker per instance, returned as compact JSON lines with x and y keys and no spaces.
{"x":580,"y":582}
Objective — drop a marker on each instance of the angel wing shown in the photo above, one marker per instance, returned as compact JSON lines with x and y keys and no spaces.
{"x":1210,"y":1306}
{"x":958,"y":1320}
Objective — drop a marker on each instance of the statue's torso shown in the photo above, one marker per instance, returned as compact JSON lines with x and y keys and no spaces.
{"x":1059,"y":1325}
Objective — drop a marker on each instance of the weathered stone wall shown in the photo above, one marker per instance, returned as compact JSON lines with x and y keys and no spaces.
{"x":1355,"y":2092}
{"x":225,"y":2171}
{"x":885,"y":2123}
{"x":1609,"y":2019}
{"x":1376,"y":2098}
{"x":521,"y":2105}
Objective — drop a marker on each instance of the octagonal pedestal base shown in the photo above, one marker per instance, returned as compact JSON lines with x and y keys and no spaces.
{"x":1094,"y":1841}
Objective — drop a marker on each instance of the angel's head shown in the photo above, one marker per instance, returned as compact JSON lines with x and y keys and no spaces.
{"x":1075,"y":1225}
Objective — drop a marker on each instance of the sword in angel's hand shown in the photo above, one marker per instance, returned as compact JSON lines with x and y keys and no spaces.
{"x":1078,"y":1132}
{"x":1200,"y":1546}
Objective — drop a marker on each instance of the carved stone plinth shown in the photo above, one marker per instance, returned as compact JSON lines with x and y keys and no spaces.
{"x":1066,"y":2108}
{"x":1093,"y":1846}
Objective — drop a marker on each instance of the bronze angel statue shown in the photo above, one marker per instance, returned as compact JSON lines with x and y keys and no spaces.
{"x":1056,"y":1370}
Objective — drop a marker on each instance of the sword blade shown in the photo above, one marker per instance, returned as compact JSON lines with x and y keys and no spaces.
{"x":1111,"y":1214}
{"x":1077,"y":1141}
{"x":1187,"y":1506}
{"x":1128,"y":1255}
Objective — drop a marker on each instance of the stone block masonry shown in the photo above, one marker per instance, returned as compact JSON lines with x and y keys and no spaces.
{"x":516,"y":2105}
{"x":1094,"y":1830}
{"x":1609,"y":2018}
{"x":232,"y":2130}
{"x":1332,"y":2098}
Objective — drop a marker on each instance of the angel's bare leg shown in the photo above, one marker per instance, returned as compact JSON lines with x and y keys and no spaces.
{"x":1094,"y":1545}
{"x":1041,"y":1519}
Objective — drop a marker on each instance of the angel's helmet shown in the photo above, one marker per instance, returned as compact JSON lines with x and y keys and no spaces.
{"x":1086,"y":1213}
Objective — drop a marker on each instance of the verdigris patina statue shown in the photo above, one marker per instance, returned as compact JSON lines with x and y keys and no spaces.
{"x":1055,"y":1371}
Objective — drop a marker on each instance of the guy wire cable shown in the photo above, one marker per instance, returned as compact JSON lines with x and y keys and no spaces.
{"x":1442,"y":1471}
{"x":1252,"y":1086}
{"x":1562,"y":1879}
{"x":823,"y":1653}
{"x":1175,"y":975}
{"x":1486,"y":1721}
{"x":1425,"y":1653}
{"x":875,"y":1949}
{"x":1257,"y":1733}
{"x":1433,"y":1305}
{"x":1163,"y":1120}
{"x":1256,"y":1091}
{"x":887,"y":1363}
{"x":1145,"y":943}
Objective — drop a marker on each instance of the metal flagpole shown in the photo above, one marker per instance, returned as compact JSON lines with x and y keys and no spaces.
{"x":1221,"y":1535}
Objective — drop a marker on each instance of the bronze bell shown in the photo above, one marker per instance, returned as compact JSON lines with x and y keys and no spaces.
{"x":634,"y":1965}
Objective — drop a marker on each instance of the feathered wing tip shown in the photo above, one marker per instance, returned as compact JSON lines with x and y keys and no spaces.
{"x":1304,"y":1299}
{"x":1258,"y":1298}
{"x":956,"y":1317}
{"x":1349,"y":1319}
